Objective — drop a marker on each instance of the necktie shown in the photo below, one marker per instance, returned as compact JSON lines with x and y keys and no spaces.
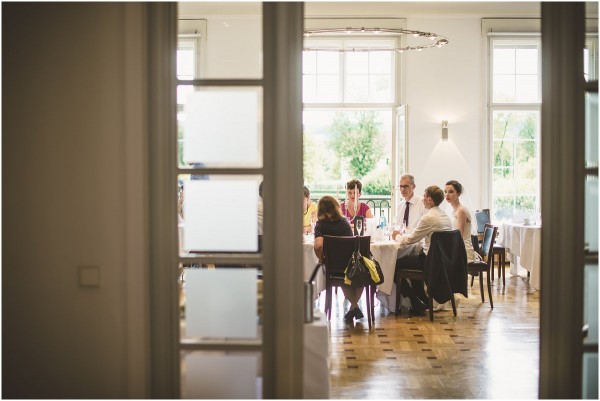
{"x":406,"y":213}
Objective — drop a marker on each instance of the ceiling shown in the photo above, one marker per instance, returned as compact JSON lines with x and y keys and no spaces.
{"x":414,"y":9}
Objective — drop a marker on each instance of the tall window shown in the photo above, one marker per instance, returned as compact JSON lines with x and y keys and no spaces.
{"x":515,"y":126}
{"x":349,"y":102}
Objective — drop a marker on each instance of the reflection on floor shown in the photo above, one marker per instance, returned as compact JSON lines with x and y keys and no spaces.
{"x":481,"y":353}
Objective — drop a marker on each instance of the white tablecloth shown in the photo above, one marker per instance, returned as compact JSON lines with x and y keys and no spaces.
{"x":386,"y":252}
{"x":523,"y":244}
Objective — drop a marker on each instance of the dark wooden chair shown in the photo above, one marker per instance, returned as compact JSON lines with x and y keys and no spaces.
{"x":483,"y":217}
{"x":444,"y":274}
{"x":337,"y":251}
{"x":477,"y":268}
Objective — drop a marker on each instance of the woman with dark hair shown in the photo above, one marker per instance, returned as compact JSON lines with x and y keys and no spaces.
{"x":332,"y":222}
{"x":352,"y":207}
{"x":462,"y":218}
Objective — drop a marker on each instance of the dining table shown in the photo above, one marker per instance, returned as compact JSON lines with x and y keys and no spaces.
{"x":523,"y":246}
{"x":385,"y":251}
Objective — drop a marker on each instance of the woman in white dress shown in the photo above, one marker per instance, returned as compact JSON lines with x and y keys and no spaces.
{"x":461,"y":217}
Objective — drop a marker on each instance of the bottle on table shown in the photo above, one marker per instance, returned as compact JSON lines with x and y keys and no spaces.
{"x":382,"y":220}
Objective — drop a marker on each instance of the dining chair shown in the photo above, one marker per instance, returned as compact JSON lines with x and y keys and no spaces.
{"x":483,"y":218}
{"x":478,"y":267}
{"x":444,"y":272}
{"x":337,"y":251}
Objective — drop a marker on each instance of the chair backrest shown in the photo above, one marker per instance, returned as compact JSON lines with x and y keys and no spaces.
{"x":338,"y":250}
{"x":450,"y":241}
{"x":446,"y":265}
{"x":482,"y":217}
{"x":487,"y":243}
{"x":475,"y":242}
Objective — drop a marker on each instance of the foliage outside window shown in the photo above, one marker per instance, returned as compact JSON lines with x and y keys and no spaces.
{"x":515,"y":126}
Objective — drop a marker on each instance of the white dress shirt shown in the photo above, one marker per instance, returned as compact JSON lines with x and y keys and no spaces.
{"x":416,"y":210}
{"x":434,"y":220}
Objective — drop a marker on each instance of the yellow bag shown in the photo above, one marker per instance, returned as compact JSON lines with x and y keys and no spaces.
{"x":374,"y":269}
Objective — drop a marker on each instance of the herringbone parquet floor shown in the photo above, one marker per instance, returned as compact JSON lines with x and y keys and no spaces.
{"x":481,"y":353}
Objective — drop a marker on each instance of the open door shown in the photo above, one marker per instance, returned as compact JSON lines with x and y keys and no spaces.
{"x":399,"y":153}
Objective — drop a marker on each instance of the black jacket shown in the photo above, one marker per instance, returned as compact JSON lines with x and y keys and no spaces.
{"x":447,"y":257}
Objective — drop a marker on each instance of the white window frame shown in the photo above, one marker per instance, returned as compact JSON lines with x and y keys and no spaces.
{"x":336,"y":43}
{"x":397,"y":81}
{"x":493,"y":107}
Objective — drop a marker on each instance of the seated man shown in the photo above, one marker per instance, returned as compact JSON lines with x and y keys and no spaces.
{"x":434,"y":220}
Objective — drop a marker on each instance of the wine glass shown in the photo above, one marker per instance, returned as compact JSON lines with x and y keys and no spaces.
{"x":387,"y":231}
{"x":397,"y":224}
{"x":403,"y":228}
{"x":359,"y":225}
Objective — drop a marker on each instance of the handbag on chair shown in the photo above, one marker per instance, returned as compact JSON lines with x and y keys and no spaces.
{"x":357,"y":273}
{"x":362,"y":270}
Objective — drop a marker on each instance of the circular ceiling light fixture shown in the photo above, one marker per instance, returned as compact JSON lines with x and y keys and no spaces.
{"x":434,"y":40}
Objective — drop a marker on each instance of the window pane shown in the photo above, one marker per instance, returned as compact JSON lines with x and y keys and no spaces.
{"x":525,"y":153}
{"x":380,"y":63}
{"x":309,"y":88}
{"x":526,"y":61}
{"x":515,"y":133}
{"x":357,"y":63}
{"x":504,"y":61}
{"x":216,"y":207}
{"x":503,"y":125}
{"x":526,"y":126}
{"x":328,"y":62}
{"x":221,"y":375}
{"x":503,"y":180}
{"x":328,"y":89}
{"x":526,"y":89}
{"x":516,"y":161}
{"x":340,"y":145}
{"x":357,"y":88}
{"x":504,"y":88}
{"x":185,"y":63}
{"x":210,"y":313}
{"x":525,"y":203}
{"x":209,"y":131}
{"x":380,"y":88}
{"x":503,"y":208}
{"x":503,"y":153}
{"x":309,"y":62}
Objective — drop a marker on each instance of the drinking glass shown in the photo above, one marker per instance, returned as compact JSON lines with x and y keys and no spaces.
{"x":359,"y":224}
{"x":403,"y":227}
{"x":387,"y":231}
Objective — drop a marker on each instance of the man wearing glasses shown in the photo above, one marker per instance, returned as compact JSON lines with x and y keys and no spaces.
{"x":411,"y":209}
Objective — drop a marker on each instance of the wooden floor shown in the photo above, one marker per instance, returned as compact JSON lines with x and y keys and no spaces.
{"x":481,"y":353}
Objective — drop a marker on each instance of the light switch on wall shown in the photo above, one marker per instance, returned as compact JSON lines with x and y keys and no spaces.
{"x":89,"y":276}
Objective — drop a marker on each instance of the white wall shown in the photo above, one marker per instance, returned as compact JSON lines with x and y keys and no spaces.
{"x":65,"y":177}
{"x":448,"y":84}
{"x":233,"y":48}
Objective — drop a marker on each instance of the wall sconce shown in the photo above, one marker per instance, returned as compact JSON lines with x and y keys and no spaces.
{"x":444,"y":130}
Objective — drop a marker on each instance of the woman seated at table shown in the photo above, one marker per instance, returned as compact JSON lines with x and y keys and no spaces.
{"x":332,"y":222}
{"x":309,"y":212}
{"x":352,"y":207}
{"x":462,"y":219}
